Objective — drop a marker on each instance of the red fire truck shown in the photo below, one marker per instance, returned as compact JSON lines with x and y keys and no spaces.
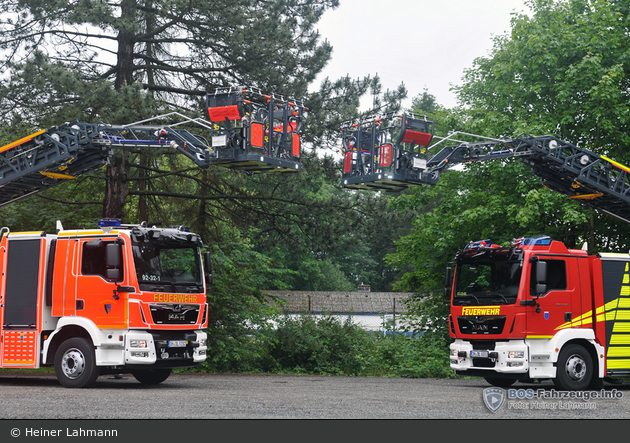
{"x":110,"y":300}
{"x":535,"y":309}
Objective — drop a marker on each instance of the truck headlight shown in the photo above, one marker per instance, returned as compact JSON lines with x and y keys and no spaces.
{"x":516,"y":354}
{"x":202,"y":342}
{"x":454,"y":352}
{"x":138,"y":343}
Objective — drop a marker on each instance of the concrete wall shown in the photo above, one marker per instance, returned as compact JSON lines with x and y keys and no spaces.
{"x":356,"y":302}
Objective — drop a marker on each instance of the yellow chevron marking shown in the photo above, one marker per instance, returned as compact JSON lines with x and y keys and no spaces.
{"x":618,"y":364}
{"x":621,"y":327}
{"x":619,"y":351}
{"x":620,"y":339}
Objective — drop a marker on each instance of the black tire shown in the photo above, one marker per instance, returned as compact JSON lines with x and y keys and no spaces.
{"x":500,"y":382}
{"x":575,"y":369}
{"x":152,"y":376}
{"x":75,"y":363}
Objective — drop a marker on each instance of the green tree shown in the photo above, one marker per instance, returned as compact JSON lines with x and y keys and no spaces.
{"x":177,"y":50}
{"x":563,"y":70}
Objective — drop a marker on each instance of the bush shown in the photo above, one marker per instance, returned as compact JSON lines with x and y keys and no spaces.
{"x":316,"y":345}
{"x":308,"y":344}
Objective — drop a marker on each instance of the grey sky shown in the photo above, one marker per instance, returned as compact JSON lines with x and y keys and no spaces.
{"x":422,"y":43}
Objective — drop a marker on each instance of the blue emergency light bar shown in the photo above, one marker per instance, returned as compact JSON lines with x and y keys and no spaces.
{"x":543,"y":240}
{"x":109,"y":223}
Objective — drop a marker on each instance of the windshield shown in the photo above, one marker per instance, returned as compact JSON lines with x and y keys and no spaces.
{"x":168,"y":268}
{"x":487,"y":282}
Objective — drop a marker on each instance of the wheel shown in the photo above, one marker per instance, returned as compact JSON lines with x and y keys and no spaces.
{"x":152,"y":376}
{"x":575,"y":369}
{"x":75,"y":363}
{"x":501,"y":382}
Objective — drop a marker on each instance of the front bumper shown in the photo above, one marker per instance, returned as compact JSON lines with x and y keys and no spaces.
{"x":165,"y":348}
{"x":509,"y":358}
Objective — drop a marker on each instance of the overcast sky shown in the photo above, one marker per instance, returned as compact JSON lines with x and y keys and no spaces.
{"x":422,"y":43}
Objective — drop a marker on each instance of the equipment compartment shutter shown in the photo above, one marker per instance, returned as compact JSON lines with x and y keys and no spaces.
{"x":20,"y":309}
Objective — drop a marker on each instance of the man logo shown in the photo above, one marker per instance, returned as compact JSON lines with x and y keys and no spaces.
{"x":493,"y":398}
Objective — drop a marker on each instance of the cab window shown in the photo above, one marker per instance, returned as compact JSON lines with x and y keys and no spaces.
{"x":556,"y":276}
{"x":93,"y":258}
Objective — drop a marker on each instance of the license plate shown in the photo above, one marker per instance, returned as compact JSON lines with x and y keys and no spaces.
{"x":478,"y":354}
{"x":177,"y":343}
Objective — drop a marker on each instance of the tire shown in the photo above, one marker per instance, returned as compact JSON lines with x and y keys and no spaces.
{"x":575,"y":369}
{"x":501,"y":382}
{"x":75,"y":363}
{"x":152,"y":376}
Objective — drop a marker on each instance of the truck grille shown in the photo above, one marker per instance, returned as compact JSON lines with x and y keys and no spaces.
{"x":174,"y":314}
{"x":174,"y":345}
{"x":480,"y":324}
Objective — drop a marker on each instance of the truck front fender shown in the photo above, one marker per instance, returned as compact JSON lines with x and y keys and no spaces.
{"x":110,"y":338}
{"x":547,"y":349}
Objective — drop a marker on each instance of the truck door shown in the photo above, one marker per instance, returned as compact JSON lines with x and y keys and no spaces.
{"x":97,"y":295}
{"x":554,"y":307}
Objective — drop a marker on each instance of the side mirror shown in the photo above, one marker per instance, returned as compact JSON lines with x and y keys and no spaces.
{"x":447,"y":284}
{"x":207,"y":264}
{"x":112,"y":255}
{"x":112,"y":260}
{"x":541,"y":277}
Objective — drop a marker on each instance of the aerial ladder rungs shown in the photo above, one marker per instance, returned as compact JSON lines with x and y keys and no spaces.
{"x":592,"y":179}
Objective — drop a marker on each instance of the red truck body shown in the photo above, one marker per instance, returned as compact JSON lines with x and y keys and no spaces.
{"x":538,"y":310}
{"x":98,"y":301}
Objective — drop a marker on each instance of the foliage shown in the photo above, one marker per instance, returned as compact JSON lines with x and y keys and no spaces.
{"x":126,"y":61}
{"x":315,"y":346}
{"x":563,"y":70}
{"x":238,"y":311}
{"x":173,"y":46}
{"x":307,"y":344}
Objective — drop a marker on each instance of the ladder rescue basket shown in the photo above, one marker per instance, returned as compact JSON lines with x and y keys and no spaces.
{"x":255,"y":132}
{"x":386,"y":153}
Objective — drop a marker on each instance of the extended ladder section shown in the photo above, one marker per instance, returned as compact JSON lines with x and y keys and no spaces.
{"x":250,"y":131}
{"x":255,"y":132}
{"x":593,"y":179}
{"x":386,"y":153}
{"x":51,"y":156}
{"x":46,"y":158}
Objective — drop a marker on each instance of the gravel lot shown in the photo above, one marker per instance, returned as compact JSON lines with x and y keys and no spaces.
{"x":203,"y":396}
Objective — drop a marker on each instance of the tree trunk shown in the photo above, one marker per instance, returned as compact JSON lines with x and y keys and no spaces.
{"x":116,"y":190}
{"x":143,"y":203}
{"x":116,"y":176}
{"x":126,"y":42}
